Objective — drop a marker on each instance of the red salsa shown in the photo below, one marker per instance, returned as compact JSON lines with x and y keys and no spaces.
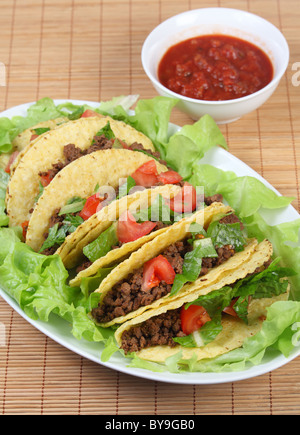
{"x":215,"y":68}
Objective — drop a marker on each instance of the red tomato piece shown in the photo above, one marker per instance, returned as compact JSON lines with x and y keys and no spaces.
{"x":156,"y":270}
{"x":169,"y":177}
{"x":46,"y":179}
{"x":33,"y":136}
{"x":91,"y":206}
{"x":89,"y":114}
{"x":124,"y":144}
{"x":193,"y":318}
{"x":11,"y":160}
{"x":129,"y":230}
{"x":146,"y":175}
{"x":230,"y":310}
{"x":185,"y":201}
{"x":24,"y":226}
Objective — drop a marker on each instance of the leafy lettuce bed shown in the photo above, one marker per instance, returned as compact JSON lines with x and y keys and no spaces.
{"x":40,"y":284}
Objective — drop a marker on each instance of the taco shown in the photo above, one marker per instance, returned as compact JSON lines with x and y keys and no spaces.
{"x":56,"y":149}
{"x":192,"y":254}
{"x":122,"y":228}
{"x":28,"y":137}
{"x":25,"y":139}
{"x":118,"y":229}
{"x":211,"y":321}
{"x":79,"y":191}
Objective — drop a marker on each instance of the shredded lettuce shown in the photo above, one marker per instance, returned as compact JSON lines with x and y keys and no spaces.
{"x":126,"y":187}
{"x":217,"y":236}
{"x":193,"y":263}
{"x":102,"y":245}
{"x":57,"y":234}
{"x":106,"y":131}
{"x":227,"y":234}
{"x":265,"y":284}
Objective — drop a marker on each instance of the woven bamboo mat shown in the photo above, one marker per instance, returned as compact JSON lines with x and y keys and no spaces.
{"x":90,"y":49}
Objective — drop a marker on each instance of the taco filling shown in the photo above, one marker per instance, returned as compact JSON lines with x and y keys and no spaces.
{"x":129,"y":228}
{"x":198,"y":323}
{"x":66,"y":220}
{"x":180,"y":263}
{"x":105,"y":139}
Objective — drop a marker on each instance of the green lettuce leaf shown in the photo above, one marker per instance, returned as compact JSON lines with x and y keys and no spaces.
{"x":45,"y":109}
{"x":280,"y":333}
{"x":246,"y":195}
{"x":57,"y":234}
{"x":152,"y":118}
{"x":106,"y":131}
{"x":227,"y":234}
{"x":187,"y":147}
{"x":102,"y":245}
{"x":38,"y":284}
{"x":285,"y":241}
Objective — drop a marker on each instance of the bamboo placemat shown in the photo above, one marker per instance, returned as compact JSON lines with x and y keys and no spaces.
{"x":90,"y":49}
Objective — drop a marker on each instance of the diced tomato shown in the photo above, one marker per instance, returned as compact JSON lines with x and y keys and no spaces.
{"x":185,"y":201}
{"x":169,"y":177}
{"x":129,"y":230}
{"x":193,"y":318}
{"x":230,"y":310}
{"x":24,"y":226}
{"x":146,"y":175}
{"x":91,"y":206}
{"x":46,"y":179}
{"x":89,"y":113}
{"x":124,"y":144}
{"x":11,"y":160}
{"x":156,"y":270}
{"x":33,"y":137}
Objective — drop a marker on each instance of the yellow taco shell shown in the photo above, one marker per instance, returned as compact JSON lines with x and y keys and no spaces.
{"x":234,"y":332}
{"x":79,"y":178}
{"x":47,"y":150}
{"x":71,"y":251}
{"x":23,"y":143}
{"x":175,"y":233}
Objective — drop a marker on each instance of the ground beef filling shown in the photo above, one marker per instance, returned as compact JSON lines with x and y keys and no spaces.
{"x":127,"y":296}
{"x":208,"y":201}
{"x":159,"y":330}
{"x":72,"y":153}
{"x":55,"y":219}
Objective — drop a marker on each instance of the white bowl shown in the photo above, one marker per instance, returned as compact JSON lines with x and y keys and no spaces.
{"x":233,"y":22}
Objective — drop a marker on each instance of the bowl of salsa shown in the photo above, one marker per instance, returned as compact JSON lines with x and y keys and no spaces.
{"x":217,"y":61}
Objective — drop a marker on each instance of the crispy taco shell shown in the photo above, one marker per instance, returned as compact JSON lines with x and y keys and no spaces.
{"x":79,"y":179}
{"x":71,"y":251}
{"x":48,"y":150}
{"x":23,"y":141}
{"x":175,"y":233}
{"x":234,"y":332}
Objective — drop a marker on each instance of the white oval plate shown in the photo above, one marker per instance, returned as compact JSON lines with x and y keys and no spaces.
{"x":58,"y":330}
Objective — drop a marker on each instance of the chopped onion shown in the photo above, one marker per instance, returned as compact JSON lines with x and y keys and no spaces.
{"x":197,"y":337}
